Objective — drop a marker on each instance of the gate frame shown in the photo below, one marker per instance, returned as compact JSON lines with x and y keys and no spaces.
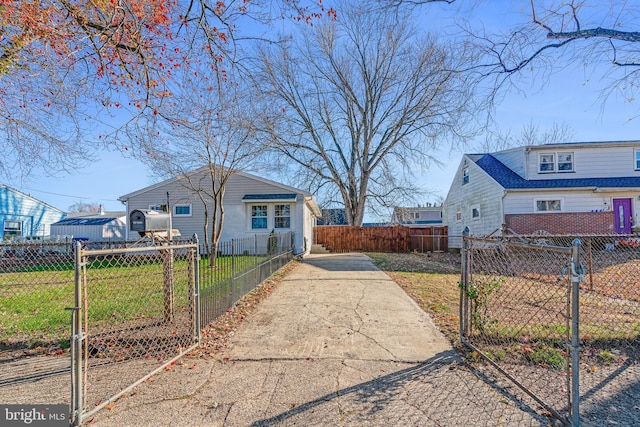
{"x":79,"y":337}
{"x":576,"y":276}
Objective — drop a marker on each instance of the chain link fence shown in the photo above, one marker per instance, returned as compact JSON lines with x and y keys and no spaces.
{"x":238,"y":266}
{"x":36,"y":284}
{"x":560,"y":322}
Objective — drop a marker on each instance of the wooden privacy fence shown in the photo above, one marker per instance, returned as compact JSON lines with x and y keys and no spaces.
{"x":395,"y":239}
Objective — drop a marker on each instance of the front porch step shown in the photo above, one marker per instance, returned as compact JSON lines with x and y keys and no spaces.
{"x":319,"y":249}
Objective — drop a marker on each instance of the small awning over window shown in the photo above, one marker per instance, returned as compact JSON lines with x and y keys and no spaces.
{"x":269,"y":198}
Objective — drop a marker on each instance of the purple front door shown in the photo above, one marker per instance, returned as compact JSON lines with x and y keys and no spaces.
{"x":622,"y":215}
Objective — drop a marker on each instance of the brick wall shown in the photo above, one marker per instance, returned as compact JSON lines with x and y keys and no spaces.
{"x":562,"y":223}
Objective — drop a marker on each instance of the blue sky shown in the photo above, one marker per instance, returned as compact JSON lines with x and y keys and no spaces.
{"x":570,"y":97}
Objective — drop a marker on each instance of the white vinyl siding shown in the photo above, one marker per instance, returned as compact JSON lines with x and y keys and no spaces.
{"x":523,"y":202}
{"x":590,"y":161}
{"x":481,"y":193}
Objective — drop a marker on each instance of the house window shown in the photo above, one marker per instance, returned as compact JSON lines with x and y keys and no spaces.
{"x":282,"y":216}
{"x":465,"y":176}
{"x":565,"y":162}
{"x":12,"y":229}
{"x":258,"y":217}
{"x":182,"y":210}
{"x":637,"y":154}
{"x":475,"y":212}
{"x":159,"y":208}
{"x":547,"y":163}
{"x":458,"y":216}
{"x":414,"y":215}
{"x":556,"y":162}
{"x":548,"y":205}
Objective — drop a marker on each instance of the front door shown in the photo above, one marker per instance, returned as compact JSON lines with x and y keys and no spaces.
{"x":623,"y":215}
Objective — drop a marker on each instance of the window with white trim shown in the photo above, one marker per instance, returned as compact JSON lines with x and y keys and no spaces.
{"x":414,"y":215}
{"x":565,"y":162}
{"x":475,"y":212}
{"x":458,"y":216}
{"x":555,"y":162}
{"x":259,"y":217}
{"x":282,"y":216}
{"x":182,"y":210}
{"x":637,"y":159}
{"x":12,"y":229}
{"x":159,"y":208}
{"x":554,"y":205}
{"x":465,"y":176}
{"x":547,"y":163}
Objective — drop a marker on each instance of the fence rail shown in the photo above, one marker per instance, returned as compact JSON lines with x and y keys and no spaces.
{"x":393,"y":239}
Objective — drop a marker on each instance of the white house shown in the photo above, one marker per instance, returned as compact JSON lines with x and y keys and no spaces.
{"x":566,"y":188}
{"x":417,"y":217}
{"x":253,"y":206}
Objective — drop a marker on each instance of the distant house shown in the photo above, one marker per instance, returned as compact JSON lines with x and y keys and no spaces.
{"x":24,"y":216}
{"x":253,"y":206}
{"x":96,"y":226}
{"x":567,"y":188}
{"x":417,"y":217}
{"x":337,"y":216}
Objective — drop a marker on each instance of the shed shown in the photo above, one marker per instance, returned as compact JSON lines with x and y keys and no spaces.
{"x":97,"y":227}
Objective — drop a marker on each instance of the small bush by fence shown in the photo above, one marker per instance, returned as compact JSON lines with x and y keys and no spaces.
{"x":393,"y":239}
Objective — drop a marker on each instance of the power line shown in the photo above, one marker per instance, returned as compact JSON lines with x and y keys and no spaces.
{"x":67,"y":195}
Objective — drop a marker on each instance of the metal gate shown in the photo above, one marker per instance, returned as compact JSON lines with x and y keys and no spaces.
{"x":519,"y":315}
{"x":136,"y":312}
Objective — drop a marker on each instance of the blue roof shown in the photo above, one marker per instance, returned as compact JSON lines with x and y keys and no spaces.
{"x":289,"y":196}
{"x":511,"y":180}
{"x":84,"y":221}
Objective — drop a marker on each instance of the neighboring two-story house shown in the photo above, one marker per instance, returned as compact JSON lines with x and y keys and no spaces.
{"x":566,"y":188}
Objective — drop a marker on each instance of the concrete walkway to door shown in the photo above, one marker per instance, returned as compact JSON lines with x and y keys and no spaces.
{"x":337,"y":343}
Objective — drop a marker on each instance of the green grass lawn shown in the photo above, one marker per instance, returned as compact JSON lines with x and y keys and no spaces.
{"x":119,"y":290}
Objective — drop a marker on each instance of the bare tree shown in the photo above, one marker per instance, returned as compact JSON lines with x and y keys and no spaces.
{"x":81,"y":207}
{"x":359,"y":100}
{"x":210,"y":137}
{"x":530,"y":134}
{"x":555,"y":34}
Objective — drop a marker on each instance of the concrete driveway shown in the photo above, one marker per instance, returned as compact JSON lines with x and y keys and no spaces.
{"x":337,"y":343}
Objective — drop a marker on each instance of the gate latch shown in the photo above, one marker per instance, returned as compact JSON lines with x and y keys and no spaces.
{"x":577,"y":274}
